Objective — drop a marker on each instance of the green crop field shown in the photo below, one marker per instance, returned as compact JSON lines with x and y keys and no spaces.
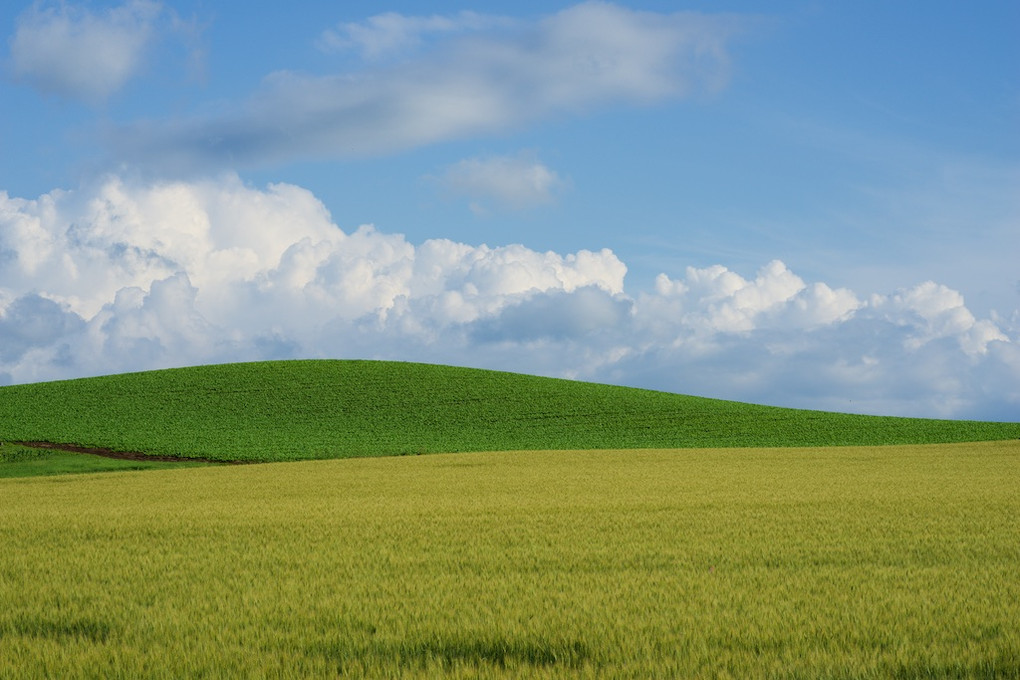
{"x":850,"y":562}
{"x":334,"y":409}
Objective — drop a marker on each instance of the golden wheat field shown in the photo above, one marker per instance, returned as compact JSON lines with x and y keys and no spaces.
{"x":853,"y":562}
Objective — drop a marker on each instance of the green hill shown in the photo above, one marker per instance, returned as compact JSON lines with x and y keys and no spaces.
{"x":287,"y":410}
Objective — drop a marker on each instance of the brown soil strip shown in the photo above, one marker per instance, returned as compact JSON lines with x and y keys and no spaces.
{"x":125,"y":455}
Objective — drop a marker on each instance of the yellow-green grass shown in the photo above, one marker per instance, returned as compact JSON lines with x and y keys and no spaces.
{"x":292,"y":410}
{"x":854,"y":562}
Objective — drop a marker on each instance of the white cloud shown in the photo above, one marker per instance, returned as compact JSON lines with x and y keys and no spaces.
{"x":73,"y":52}
{"x":518,"y":181}
{"x":715,"y":299}
{"x":934,"y":311}
{"x":590,"y":55}
{"x":392,"y":33}
{"x":33,"y":321}
{"x":125,"y":276}
{"x":233,"y":269}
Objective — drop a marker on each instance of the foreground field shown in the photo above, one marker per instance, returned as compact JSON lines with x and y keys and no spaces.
{"x":782,"y":563}
{"x":292,"y":410}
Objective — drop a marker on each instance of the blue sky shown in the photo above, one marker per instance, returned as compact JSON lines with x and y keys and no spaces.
{"x":813,"y":204}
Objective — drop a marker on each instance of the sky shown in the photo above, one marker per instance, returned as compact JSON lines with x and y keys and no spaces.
{"x":800,"y":203}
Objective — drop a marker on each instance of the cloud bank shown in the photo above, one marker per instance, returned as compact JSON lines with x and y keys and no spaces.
{"x":488,"y":78}
{"x":125,"y":275}
{"x":75,"y":53}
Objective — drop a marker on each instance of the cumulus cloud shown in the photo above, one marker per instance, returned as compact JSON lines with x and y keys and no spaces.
{"x":74,"y":52}
{"x":935,"y":311}
{"x":586,"y":56}
{"x":775,"y":339}
{"x":516,"y":182}
{"x":32,"y":321}
{"x":125,"y":275}
{"x":715,"y":299}
{"x":218,"y":270}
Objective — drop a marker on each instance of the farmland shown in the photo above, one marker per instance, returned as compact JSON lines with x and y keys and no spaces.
{"x":849,"y":562}
{"x":23,"y":461}
{"x":560,"y":529}
{"x":297,"y":410}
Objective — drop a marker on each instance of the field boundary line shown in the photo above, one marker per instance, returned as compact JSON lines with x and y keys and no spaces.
{"x":123,"y":455}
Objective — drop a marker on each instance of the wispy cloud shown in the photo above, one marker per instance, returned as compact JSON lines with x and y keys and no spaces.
{"x":390,"y":34}
{"x":515,"y":182}
{"x":125,"y":275}
{"x":587,"y":56}
{"x":73,"y":52}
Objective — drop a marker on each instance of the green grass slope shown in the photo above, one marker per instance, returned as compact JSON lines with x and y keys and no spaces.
{"x":23,"y":461}
{"x":289,"y":410}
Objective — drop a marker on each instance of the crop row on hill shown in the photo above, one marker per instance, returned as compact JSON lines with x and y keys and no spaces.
{"x":333,"y":409}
